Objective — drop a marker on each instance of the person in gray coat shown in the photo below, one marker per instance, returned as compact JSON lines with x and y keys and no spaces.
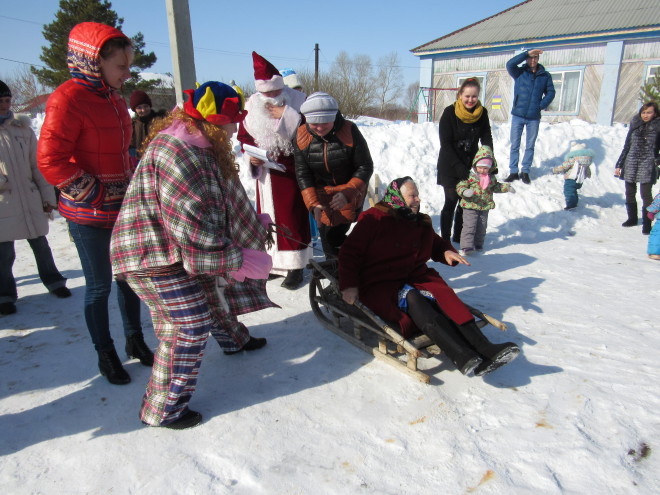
{"x":26,"y":200}
{"x":639,"y":161}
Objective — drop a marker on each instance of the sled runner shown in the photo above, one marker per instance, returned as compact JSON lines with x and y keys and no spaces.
{"x":361,"y":327}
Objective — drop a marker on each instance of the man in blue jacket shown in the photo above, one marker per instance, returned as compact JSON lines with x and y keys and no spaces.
{"x":533,"y":91}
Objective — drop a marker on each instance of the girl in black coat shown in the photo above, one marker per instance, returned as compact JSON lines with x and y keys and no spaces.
{"x":463,"y":126}
{"x":638,"y":162}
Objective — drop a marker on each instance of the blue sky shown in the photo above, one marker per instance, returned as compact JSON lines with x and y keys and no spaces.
{"x":225,"y":33}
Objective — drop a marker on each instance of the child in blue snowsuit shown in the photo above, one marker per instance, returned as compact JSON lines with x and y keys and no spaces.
{"x":653,"y":212}
{"x":575,"y":169}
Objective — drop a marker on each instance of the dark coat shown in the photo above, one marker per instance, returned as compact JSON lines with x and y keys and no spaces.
{"x":383,"y":252}
{"x":141,"y":127}
{"x":641,"y":151}
{"x":337,"y":162}
{"x":459,"y":142}
{"x":333,"y":159}
{"x":532,"y":91}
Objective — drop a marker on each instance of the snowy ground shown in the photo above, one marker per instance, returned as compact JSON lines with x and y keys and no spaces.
{"x":577,"y":413}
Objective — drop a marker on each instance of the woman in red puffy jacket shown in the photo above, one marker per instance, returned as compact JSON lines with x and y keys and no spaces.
{"x":83,"y":151}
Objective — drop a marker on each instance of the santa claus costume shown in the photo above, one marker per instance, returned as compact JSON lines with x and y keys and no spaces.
{"x":278,"y":193}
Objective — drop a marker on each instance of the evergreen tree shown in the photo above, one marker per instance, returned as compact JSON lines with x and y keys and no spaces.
{"x":73,"y":12}
{"x":650,"y":91}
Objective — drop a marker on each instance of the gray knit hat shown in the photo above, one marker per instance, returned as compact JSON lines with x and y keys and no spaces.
{"x":319,"y":108}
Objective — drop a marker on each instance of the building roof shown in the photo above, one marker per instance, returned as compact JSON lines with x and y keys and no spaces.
{"x":538,"y":20}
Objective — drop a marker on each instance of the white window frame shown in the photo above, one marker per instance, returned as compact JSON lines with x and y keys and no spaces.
{"x":558,"y":93}
{"x":647,"y":71}
{"x":482,"y":77}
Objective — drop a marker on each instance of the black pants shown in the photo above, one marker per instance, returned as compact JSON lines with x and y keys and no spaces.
{"x":332,"y":238}
{"x":451,"y":213}
{"x":644,"y":191}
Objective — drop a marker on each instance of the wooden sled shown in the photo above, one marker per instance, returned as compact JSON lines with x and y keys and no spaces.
{"x":361,"y":327}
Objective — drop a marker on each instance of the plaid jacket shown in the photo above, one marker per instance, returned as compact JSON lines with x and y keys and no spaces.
{"x":178,"y":210}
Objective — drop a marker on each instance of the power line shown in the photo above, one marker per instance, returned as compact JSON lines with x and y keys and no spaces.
{"x":19,"y":62}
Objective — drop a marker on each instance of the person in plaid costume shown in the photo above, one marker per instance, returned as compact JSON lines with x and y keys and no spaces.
{"x":190,"y":244}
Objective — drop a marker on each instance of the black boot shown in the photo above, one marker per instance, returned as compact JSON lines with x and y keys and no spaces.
{"x":496,"y":354}
{"x":293,"y":279}
{"x":137,"y":348}
{"x":251,"y":345}
{"x":631,"y":208}
{"x":465,"y":359}
{"x":110,"y":367}
{"x":646,"y":223}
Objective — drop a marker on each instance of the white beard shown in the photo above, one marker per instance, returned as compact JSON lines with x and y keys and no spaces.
{"x":262,"y":126}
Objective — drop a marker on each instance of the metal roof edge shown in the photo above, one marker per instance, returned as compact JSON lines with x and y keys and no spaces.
{"x":597,"y":36}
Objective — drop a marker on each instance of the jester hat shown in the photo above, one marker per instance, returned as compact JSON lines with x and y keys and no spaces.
{"x":216,"y":103}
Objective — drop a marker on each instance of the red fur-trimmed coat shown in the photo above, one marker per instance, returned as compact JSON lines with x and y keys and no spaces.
{"x":385,"y":251}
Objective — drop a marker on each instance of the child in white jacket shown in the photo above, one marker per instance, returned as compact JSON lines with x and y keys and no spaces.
{"x":576,"y":169}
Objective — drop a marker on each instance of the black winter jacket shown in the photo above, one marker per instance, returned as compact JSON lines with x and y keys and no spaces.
{"x":459,"y":143}
{"x":329,"y":161}
{"x":641,"y":152}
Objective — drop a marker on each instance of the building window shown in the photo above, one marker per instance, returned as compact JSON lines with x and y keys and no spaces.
{"x":567,"y":91}
{"x":651,"y":71}
{"x":482,"y":84}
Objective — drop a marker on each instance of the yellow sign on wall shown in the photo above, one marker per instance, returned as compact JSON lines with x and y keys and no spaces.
{"x":496,"y":102}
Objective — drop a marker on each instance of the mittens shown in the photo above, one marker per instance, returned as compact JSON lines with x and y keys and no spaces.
{"x":468,"y":193}
{"x":265,"y":219}
{"x":256,"y":265}
{"x":650,"y":215}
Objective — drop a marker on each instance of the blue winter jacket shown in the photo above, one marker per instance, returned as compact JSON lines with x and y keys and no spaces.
{"x":532,"y":92}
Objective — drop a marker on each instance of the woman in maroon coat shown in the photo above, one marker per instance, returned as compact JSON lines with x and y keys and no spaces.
{"x":383,"y":261}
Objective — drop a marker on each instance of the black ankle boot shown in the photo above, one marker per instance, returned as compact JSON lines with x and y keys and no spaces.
{"x":464,"y":358}
{"x":293,"y":279}
{"x":495,"y":354}
{"x":646,"y":223}
{"x":111,"y":368}
{"x":251,"y":345}
{"x":137,"y":348}
{"x":631,"y":209}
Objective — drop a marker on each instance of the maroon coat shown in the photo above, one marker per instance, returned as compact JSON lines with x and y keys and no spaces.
{"x":385,"y":251}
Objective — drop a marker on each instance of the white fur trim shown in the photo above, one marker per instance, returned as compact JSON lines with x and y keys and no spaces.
{"x":273,"y":84}
{"x":283,"y":261}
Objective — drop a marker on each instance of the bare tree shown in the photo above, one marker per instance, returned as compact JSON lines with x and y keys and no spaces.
{"x":410,"y":100}
{"x":25,"y":87}
{"x":388,"y":82}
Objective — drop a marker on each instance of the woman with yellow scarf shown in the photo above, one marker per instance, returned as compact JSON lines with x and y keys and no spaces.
{"x":463,"y":125}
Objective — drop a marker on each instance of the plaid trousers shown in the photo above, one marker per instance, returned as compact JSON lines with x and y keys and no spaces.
{"x":184,"y":311}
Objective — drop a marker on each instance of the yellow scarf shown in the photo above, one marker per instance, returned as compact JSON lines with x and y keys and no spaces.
{"x":466,"y":116}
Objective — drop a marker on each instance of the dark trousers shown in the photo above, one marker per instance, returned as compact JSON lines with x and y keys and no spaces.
{"x":93,"y":245}
{"x":332,"y":238}
{"x":48,"y":272}
{"x":644,"y":191}
{"x":571,"y":192}
{"x":451,"y":213}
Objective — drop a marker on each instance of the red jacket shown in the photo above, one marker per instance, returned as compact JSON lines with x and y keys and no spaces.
{"x":83,"y":145}
{"x":385,"y":251}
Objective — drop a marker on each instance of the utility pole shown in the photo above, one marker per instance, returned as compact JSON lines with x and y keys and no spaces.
{"x":181,"y":47}
{"x":316,"y":67}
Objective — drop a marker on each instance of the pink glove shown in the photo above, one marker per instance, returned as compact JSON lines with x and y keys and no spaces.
{"x":256,"y":265}
{"x":265,"y":219}
{"x":650,"y":215}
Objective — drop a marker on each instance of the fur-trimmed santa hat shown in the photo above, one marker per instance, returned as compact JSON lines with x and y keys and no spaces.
{"x":266,"y":76}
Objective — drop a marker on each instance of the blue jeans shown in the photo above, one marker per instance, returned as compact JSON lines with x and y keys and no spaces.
{"x":571,"y":192}
{"x":93,"y":245}
{"x":48,"y":272}
{"x":517,"y":125}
